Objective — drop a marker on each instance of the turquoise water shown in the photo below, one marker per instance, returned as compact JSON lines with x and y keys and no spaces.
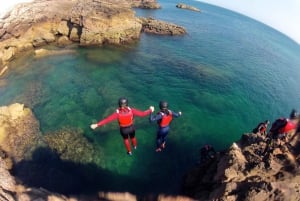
{"x":226,"y":75}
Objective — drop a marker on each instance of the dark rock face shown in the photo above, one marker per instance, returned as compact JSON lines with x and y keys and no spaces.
{"x":253,"y":168}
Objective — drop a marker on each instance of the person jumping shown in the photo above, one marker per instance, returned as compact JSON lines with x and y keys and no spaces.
{"x":163,"y":118}
{"x":125,"y":116}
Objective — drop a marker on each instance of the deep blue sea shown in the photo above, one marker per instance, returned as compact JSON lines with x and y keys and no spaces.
{"x":228,"y":73}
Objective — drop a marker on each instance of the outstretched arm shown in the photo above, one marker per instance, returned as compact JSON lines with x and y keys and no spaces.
{"x":108,"y":119}
{"x":142,"y":113}
{"x":176,"y":114}
{"x":154,"y":117}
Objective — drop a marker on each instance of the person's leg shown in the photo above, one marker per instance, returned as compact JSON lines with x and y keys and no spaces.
{"x":164,"y":135}
{"x":158,"y":140}
{"x":125,"y":135}
{"x":132,"y":137}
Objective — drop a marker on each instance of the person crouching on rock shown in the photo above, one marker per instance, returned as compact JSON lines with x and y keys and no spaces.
{"x":125,"y":116}
{"x":207,"y":152}
{"x":163,"y":119}
{"x":261,"y":128}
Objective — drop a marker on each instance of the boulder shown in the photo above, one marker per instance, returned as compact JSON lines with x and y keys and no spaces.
{"x":153,"y":26}
{"x":184,"y":6}
{"x":19,"y":131}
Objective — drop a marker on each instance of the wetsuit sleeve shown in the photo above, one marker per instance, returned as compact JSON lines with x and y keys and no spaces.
{"x":108,"y":119}
{"x":175,"y":114}
{"x":155,"y":117}
{"x":140,"y":113}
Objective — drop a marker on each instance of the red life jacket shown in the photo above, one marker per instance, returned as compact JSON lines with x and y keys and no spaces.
{"x":125,"y":117}
{"x":166,"y":119}
{"x":288,"y":127}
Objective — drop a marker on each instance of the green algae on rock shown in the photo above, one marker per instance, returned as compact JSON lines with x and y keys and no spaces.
{"x":71,"y":145}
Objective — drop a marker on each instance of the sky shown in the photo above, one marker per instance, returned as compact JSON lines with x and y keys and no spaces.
{"x":282,"y":15}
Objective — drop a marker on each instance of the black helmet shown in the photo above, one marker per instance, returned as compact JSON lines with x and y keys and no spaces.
{"x":163,"y":105}
{"x":294,"y":114}
{"x":123,"y":102}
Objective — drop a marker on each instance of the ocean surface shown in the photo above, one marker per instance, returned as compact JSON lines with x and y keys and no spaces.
{"x":227,"y":74}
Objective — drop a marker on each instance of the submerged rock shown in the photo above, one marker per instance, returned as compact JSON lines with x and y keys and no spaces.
{"x":71,"y":145}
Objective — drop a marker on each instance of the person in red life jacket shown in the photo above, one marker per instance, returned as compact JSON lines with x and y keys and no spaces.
{"x":125,"y":116}
{"x":283,"y":128}
{"x":163,"y":119}
{"x":291,"y":125}
{"x":282,"y":131}
{"x":261,"y":128}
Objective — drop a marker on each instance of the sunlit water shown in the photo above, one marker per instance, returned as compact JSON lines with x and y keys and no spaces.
{"x":226,"y":75}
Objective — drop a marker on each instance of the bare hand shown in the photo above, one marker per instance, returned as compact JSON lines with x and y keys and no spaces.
{"x":94,"y":126}
{"x":151,"y":108}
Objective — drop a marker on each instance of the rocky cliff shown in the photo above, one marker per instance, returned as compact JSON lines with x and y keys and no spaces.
{"x":29,"y":26}
{"x":35,"y":24}
{"x":254,"y":168}
{"x":19,"y":137}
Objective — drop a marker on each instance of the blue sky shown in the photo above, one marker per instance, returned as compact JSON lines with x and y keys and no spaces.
{"x":282,"y":15}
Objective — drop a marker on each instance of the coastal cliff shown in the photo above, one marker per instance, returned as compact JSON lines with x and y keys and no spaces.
{"x":30,"y":26}
{"x":253,"y":168}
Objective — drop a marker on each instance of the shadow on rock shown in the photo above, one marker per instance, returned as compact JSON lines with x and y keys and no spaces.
{"x":46,"y":170}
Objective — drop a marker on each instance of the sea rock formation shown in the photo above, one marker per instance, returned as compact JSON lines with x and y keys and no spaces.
{"x":19,"y":131}
{"x":153,"y":26}
{"x":251,"y":169}
{"x":31,"y":25}
{"x":71,"y":145}
{"x":184,"y":6}
{"x":35,"y":24}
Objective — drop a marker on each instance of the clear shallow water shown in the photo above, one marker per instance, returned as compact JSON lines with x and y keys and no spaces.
{"x":227,"y":74}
